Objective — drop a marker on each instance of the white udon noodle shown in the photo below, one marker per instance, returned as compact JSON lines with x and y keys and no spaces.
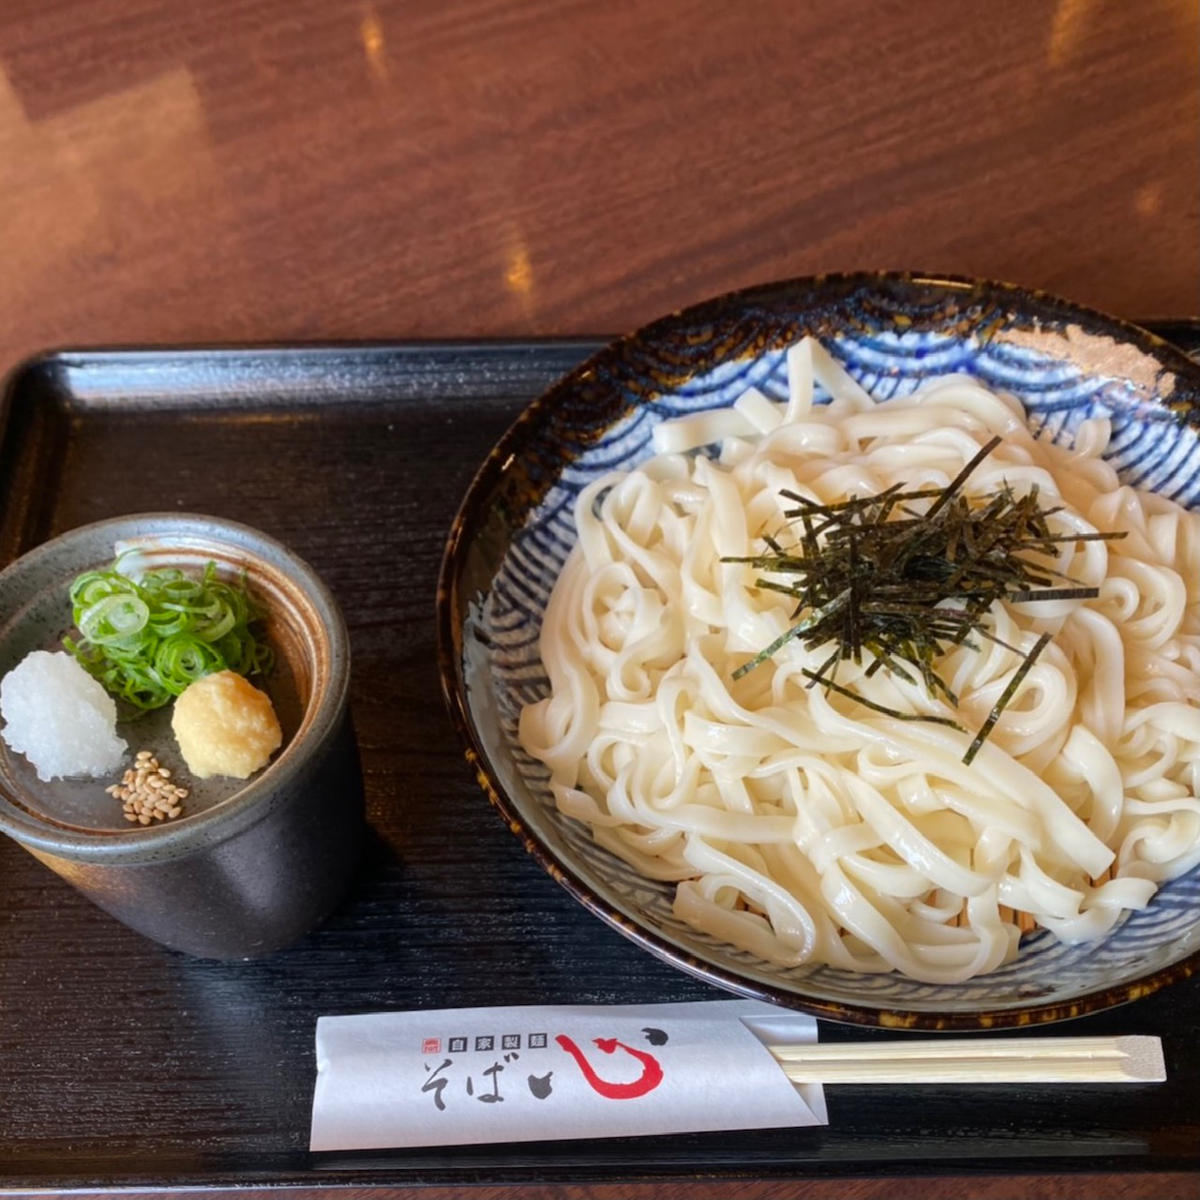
{"x":803,"y":827}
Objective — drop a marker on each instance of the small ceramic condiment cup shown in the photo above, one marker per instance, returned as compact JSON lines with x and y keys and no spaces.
{"x":250,"y":865}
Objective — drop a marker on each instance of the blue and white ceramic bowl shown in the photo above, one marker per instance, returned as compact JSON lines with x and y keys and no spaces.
{"x":892,"y":331}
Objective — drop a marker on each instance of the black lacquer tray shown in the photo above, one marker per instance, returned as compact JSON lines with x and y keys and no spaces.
{"x":124,"y":1064}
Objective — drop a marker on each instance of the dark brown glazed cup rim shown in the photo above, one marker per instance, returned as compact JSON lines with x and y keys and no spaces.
{"x":451,"y":604}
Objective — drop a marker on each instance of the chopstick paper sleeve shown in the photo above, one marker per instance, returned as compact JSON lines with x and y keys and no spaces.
{"x":460,"y":1076}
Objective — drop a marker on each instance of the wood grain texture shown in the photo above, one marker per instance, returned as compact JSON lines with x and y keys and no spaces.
{"x":283,"y":169}
{"x":1084,"y":1186}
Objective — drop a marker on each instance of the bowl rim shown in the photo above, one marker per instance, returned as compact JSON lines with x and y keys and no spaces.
{"x":450,"y":605}
{"x":251,"y":803}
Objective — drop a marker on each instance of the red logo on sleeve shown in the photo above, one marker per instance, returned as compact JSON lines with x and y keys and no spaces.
{"x":651,"y":1077}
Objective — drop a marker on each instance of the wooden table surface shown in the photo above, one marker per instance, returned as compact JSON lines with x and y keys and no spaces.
{"x":244,"y":170}
{"x":283,"y":169}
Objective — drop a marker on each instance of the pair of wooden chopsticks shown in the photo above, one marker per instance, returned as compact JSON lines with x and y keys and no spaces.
{"x":1007,"y":1060}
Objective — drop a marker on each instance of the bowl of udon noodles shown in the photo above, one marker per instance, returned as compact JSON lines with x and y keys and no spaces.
{"x":838,"y":640}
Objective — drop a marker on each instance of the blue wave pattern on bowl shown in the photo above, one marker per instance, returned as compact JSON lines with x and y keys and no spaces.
{"x":1150,"y":448}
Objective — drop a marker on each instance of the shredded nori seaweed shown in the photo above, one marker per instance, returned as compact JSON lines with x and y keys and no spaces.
{"x":872,"y":573}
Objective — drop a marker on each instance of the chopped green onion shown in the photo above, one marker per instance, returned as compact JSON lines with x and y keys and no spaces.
{"x":147,"y":639}
{"x":114,"y":619}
